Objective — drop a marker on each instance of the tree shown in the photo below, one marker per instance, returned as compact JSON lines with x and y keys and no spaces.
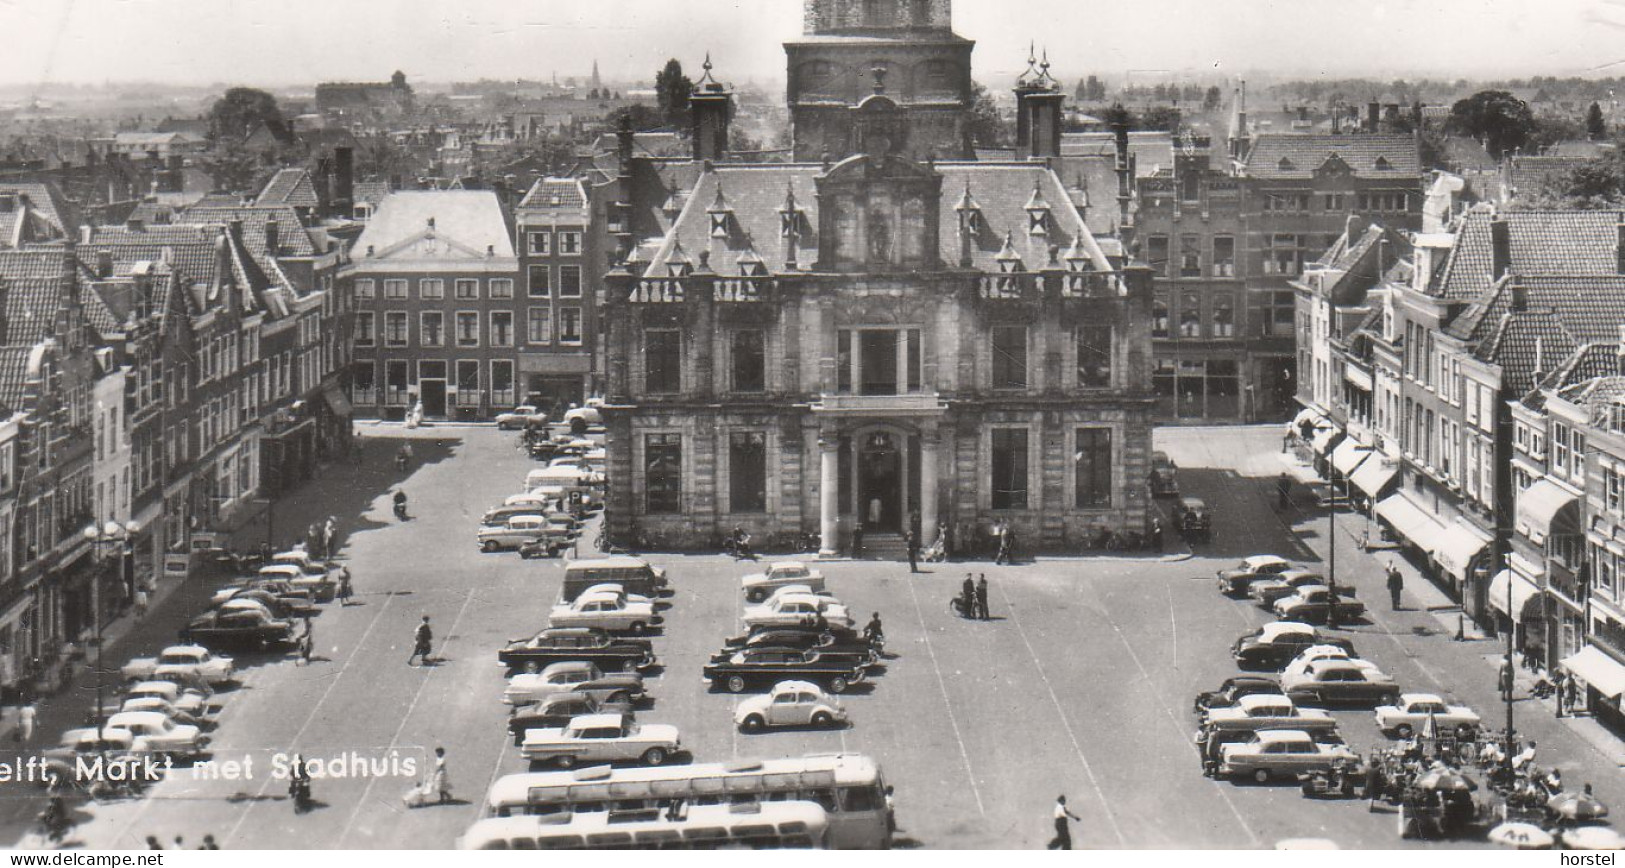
{"x":1160,"y":118}
{"x":1212,"y":98}
{"x":1596,"y":127}
{"x":1117,"y":114}
{"x":230,"y":167}
{"x":672,"y":90}
{"x":1097,"y":89}
{"x":643,"y":117}
{"x":235,"y":115}
{"x":986,"y":127}
{"x":1499,"y":119}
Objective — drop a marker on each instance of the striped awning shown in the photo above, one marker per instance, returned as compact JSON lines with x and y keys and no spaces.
{"x":1350,"y":454}
{"x":1509,"y":586}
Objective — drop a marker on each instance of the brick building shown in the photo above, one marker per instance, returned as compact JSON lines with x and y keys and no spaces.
{"x":561,"y":238}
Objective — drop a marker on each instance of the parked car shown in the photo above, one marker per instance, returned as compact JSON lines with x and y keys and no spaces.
{"x":189,"y":701}
{"x":292,"y":608}
{"x":110,"y":742}
{"x":1413,"y":712}
{"x":164,"y":707}
{"x":498,"y":516}
{"x":214,"y":669}
{"x":573,"y":676}
{"x":753,"y":667}
{"x":548,"y":546}
{"x":246,"y":629}
{"x":1268,"y":711}
{"x":1236,"y":580}
{"x":1329,"y":682}
{"x":307,"y":575}
{"x":555,"y":644}
{"x":1315,"y":653}
{"x":1265,"y":591}
{"x":1281,"y":753}
{"x":157,"y":734}
{"x":606,"y":611}
{"x":840,"y":644}
{"x":1274,"y":644}
{"x":1232,"y":690}
{"x":558,"y":709}
{"x":1192,"y":519}
{"x":758,"y":586}
{"x":276,"y":587}
{"x":602,"y":738}
{"x":514,"y":532}
{"x":1315,"y":604}
{"x":1164,"y":478}
{"x":789,"y":703}
{"x":797,"y":610}
{"x":520,"y":417}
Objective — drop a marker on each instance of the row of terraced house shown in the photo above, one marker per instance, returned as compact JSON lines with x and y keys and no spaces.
{"x":1466,"y":383}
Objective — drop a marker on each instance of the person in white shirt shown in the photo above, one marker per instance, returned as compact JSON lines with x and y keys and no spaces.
{"x":1063,"y":833}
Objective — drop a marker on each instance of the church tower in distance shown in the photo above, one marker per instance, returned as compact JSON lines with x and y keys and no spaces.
{"x":853,"y":49}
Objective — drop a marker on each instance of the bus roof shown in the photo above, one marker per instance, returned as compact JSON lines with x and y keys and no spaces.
{"x":606,"y":783}
{"x":588,"y":822}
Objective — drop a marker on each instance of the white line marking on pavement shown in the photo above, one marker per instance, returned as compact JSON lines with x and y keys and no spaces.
{"x":947,"y":703}
{"x":1173,"y":624}
{"x":395,"y":739}
{"x":1077,"y":748}
{"x":1146,"y":676}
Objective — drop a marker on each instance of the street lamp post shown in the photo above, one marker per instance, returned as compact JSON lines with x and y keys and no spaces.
{"x":110,"y":533}
{"x":1506,"y":683}
{"x":1331,"y":558}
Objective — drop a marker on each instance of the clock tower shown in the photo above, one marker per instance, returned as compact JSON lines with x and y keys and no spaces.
{"x":848,"y":46}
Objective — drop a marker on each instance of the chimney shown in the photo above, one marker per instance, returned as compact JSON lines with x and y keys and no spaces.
{"x":1500,"y":248}
{"x":1373,"y":116}
{"x":87,"y":233}
{"x":344,"y":181}
{"x":709,"y":106}
{"x":8,"y":203}
{"x":1042,"y":109}
{"x":1520,"y":304}
{"x":1354,"y":227}
{"x":273,"y":237}
{"x":104,"y":262}
{"x":1241,"y":109}
{"x":323,"y":179}
{"x":1539,"y":373}
{"x":1303,"y":113}
{"x":625,"y":137}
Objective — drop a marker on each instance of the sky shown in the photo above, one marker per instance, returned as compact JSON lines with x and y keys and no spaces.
{"x":293,"y":42}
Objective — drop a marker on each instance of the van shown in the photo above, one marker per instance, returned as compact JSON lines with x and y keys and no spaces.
{"x":634,"y":575}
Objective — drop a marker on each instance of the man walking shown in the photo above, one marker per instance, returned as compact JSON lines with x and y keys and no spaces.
{"x":981,"y":597}
{"x":25,"y":722}
{"x":967,"y":592}
{"x":913,"y":544}
{"x":422,"y":642}
{"x":1283,"y":490}
{"x":140,"y":603}
{"x":307,"y":643}
{"x":1396,"y":583}
{"x":1063,"y":833}
{"x":857,"y":540}
{"x":1506,"y":678}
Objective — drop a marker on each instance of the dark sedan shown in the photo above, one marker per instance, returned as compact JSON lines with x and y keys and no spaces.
{"x":245,"y":629}
{"x":611,"y":653}
{"x":1232,"y":690}
{"x":558,"y":709}
{"x":764,"y":667}
{"x":1276,"y":643}
{"x":843,"y":647}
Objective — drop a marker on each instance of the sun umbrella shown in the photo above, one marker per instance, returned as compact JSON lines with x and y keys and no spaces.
{"x":1446,"y":780}
{"x":1577,"y":806}
{"x":1521,"y":836}
{"x":1593,"y":838}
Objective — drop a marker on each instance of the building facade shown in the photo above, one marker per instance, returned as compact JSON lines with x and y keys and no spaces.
{"x":560,"y":238}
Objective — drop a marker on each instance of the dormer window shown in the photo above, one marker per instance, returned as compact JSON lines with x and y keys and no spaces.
{"x":719,"y":224}
{"x":1037,"y":211}
{"x":1285,"y":165}
{"x":1008,"y":259}
{"x":1383,"y":164}
{"x":719,"y":214}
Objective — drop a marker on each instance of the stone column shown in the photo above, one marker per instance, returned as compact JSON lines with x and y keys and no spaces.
{"x":928,"y":486}
{"x":829,"y":445}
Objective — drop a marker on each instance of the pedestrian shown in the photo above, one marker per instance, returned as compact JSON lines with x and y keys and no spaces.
{"x":1396,"y":583}
{"x":307,"y":643}
{"x":1063,"y":834}
{"x":440,"y":781}
{"x":944,"y":540}
{"x":345,"y":591}
{"x":1007,"y":546}
{"x":1571,"y":692}
{"x":981,"y":596}
{"x":857,"y":540}
{"x":152,"y":843}
{"x":1156,"y":533}
{"x":356,"y":453}
{"x":313,"y":540}
{"x":422,"y":642}
{"x":912,"y":542}
{"x":1283,"y":490}
{"x":140,"y":602}
{"x":25,"y":721}
{"x":1375,"y":783}
{"x":208,"y":843}
{"x":999,"y":531}
{"x":330,"y":532}
{"x":1506,"y":678}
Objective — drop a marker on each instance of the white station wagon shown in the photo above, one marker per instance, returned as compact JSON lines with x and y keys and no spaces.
{"x":602,"y":738}
{"x":605,"y":610}
{"x":758,"y":585}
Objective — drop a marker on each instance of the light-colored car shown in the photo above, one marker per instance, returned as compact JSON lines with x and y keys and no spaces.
{"x":616,"y":590}
{"x":162,"y":706}
{"x":602,"y":738}
{"x":1279,"y":753}
{"x":1268,"y":711}
{"x":1315,"y":653}
{"x":157,"y":734}
{"x":797,"y":610}
{"x":212,"y":668}
{"x":1314,"y":603}
{"x":520,"y":416}
{"x":1413,"y":711}
{"x":192,"y":702}
{"x":305,"y":574}
{"x":789,"y":703}
{"x":609,"y":611}
{"x":758,"y":586}
{"x":1237,"y":579}
{"x":1339,"y":681}
{"x":111,"y":742}
{"x":573,"y":676}
{"x":1265,"y":591}
{"x":513,"y":533}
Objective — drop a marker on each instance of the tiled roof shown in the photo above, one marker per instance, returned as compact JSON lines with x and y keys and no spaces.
{"x":1541,"y":242}
{"x":13,"y":376}
{"x":1355,"y":264}
{"x":1559,"y":315}
{"x":292,"y":237}
{"x":1528,"y":174}
{"x":1092,"y":183}
{"x":754,"y":194}
{"x":30,"y":309}
{"x":34,"y":264}
{"x":190,"y":246}
{"x":1584,"y":366}
{"x":1607,"y":386}
{"x":555,"y":193}
{"x":52,"y":214}
{"x":1289,"y":156}
{"x":370,"y":192}
{"x":291,"y":187}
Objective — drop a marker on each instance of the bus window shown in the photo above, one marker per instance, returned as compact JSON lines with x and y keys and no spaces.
{"x":524,"y":843}
{"x":823,"y":798}
{"x":494,"y":844}
{"x":862,"y":799}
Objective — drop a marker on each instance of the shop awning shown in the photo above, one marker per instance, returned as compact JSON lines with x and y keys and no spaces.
{"x":339,"y":403}
{"x":1521,"y":590}
{"x":1373,"y":476}
{"x":1411,"y":522}
{"x":1461,"y":543}
{"x":1538,"y":505}
{"x":1349,"y":454}
{"x":1309,"y":417}
{"x":1323,"y":439}
{"x":1605,"y":674}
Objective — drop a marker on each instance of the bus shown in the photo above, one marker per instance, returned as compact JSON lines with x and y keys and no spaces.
{"x":745,"y":826}
{"x":848,"y":787}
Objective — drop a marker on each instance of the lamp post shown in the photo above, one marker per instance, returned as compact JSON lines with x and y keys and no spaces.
{"x":110,"y":533}
{"x":1506,"y":682}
